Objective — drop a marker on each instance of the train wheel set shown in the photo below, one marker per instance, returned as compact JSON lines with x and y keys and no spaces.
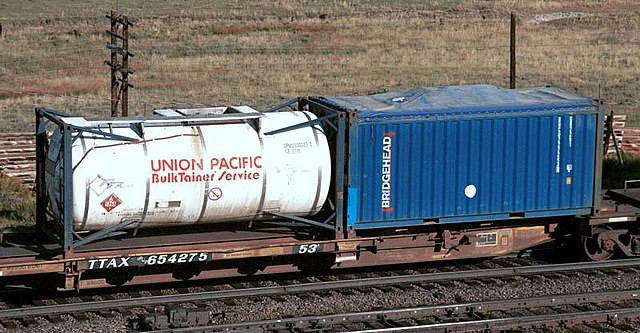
{"x":317,"y":183}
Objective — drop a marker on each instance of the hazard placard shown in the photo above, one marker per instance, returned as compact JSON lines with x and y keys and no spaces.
{"x":111,"y":202}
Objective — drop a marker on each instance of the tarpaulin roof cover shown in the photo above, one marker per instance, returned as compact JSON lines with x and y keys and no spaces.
{"x":458,"y":100}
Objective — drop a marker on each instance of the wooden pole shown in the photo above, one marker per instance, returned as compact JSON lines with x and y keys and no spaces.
{"x":114,"y":60}
{"x":125,"y":67}
{"x":512,"y":49}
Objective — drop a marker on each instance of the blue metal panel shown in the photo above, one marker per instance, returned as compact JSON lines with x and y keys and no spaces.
{"x":551,"y":213}
{"x":352,"y":206}
{"x":464,"y":169}
{"x":390,"y":224}
{"x":474,"y":218}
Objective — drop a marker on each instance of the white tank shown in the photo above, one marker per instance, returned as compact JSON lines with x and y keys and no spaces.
{"x":195,"y":170}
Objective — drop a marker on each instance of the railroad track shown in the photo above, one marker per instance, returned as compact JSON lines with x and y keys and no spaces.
{"x":611,"y":309}
{"x":152,"y":310}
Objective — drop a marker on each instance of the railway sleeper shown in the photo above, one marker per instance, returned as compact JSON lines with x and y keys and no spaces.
{"x":29,"y":322}
{"x":173,"y":317}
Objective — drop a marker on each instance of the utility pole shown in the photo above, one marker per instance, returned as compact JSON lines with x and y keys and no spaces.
{"x":512,"y":51}
{"x":119,"y":62}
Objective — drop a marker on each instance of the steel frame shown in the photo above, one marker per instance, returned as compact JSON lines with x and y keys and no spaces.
{"x":335,"y":122}
{"x":338,"y":121}
{"x":346,"y":137}
{"x":71,"y":240}
{"x":63,"y":231}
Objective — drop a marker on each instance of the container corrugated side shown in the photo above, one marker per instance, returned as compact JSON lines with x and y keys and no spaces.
{"x":406,"y":172}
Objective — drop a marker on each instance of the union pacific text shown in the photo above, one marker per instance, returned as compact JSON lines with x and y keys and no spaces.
{"x":193,"y":170}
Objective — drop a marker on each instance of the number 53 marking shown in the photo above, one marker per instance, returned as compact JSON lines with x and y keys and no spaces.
{"x":307,"y":248}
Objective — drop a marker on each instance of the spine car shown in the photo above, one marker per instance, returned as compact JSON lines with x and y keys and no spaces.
{"x":321,"y":182}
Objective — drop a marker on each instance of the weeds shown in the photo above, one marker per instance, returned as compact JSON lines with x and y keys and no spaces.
{"x":17,"y":204}
{"x":615,"y":174}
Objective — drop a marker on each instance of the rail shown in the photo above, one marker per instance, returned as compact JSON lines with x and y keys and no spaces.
{"x":632,"y":181}
{"x":315,"y":287}
{"x":464,"y":314}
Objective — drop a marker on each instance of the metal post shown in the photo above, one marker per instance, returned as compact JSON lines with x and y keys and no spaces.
{"x":597,"y":182}
{"x":340,"y":168}
{"x":41,"y":204}
{"x":512,"y":62}
{"x":114,"y":59}
{"x":67,"y":189}
{"x":608,"y":128}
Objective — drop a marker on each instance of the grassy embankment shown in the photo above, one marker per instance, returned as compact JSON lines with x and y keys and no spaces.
{"x":260,"y":55}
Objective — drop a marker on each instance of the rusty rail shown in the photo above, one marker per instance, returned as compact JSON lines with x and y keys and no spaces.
{"x":18,"y":157}
{"x":628,"y":139}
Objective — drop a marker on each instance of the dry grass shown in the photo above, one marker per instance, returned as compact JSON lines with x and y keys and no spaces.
{"x":244,"y":53}
{"x":17,"y":204}
{"x":40,"y":10}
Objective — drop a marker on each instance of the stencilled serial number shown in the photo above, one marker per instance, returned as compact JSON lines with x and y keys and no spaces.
{"x":296,"y":147}
{"x":161,"y":259}
{"x":149,"y":260}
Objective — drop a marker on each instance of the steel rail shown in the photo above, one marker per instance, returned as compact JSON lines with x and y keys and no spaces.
{"x":326,"y":321}
{"x":514,"y":322}
{"x":315,"y":286}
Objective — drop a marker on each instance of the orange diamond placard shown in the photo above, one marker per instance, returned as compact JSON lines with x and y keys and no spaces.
{"x":111,"y":202}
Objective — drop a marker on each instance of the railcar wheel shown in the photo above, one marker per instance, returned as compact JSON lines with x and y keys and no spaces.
{"x":317,"y":263}
{"x":596,"y":249}
{"x":187,"y":271}
{"x":119,"y":277}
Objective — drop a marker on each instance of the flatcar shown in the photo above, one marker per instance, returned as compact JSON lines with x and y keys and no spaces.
{"x":319,"y":182}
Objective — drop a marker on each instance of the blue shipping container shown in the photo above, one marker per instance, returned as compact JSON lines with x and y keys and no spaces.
{"x":469,"y":153}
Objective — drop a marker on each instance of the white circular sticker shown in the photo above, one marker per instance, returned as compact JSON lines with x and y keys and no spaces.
{"x":470,"y":191}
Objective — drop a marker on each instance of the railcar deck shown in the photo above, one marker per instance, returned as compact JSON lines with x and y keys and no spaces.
{"x":630,"y":196}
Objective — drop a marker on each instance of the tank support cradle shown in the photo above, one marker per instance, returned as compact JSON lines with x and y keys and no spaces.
{"x":301,"y":220}
{"x":104,"y":233}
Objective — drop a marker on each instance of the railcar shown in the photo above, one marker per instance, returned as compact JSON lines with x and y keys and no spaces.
{"x":319,"y":182}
